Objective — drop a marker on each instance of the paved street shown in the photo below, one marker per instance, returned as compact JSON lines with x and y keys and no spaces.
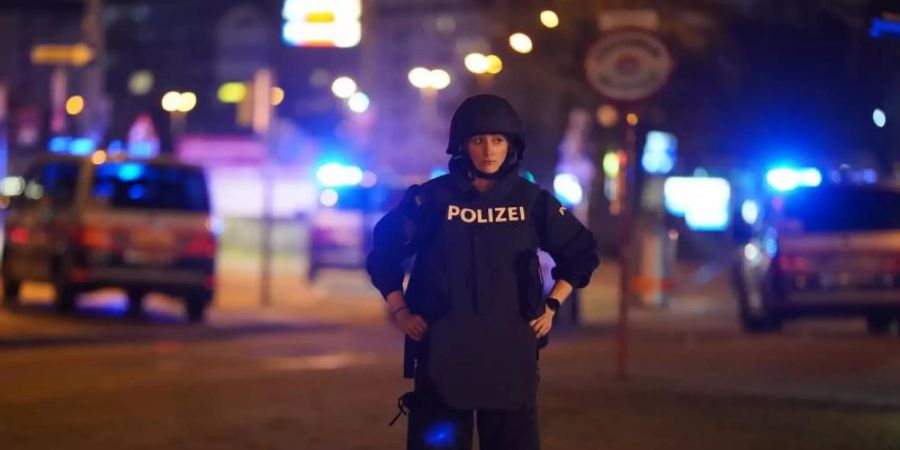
{"x":301,"y":376}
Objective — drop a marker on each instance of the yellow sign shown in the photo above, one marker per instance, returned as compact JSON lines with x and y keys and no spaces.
{"x":51,"y":54}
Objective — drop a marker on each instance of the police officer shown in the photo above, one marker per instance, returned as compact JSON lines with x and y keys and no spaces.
{"x":474,"y":312}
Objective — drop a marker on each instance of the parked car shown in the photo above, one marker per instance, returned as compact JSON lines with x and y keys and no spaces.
{"x":139,"y":225}
{"x":831,"y":250}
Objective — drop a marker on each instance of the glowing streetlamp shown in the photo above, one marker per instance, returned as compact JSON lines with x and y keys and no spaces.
{"x":476,"y":63}
{"x":75,"y":105}
{"x":521,"y":43}
{"x":344,"y":87}
{"x":549,"y":19}
{"x":178,"y":104}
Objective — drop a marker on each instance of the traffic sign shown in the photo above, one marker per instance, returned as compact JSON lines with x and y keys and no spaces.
{"x":628,"y":65}
{"x":70,"y":55}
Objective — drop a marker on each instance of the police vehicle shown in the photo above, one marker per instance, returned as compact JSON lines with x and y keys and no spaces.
{"x":829,"y":250}
{"x":87,"y":223}
{"x":350,"y":204}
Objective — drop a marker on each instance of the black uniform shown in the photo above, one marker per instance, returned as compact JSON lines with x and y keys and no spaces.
{"x":476,"y":281}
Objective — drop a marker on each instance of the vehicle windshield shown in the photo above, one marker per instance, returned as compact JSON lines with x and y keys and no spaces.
{"x":137,"y":185}
{"x":843,"y":208}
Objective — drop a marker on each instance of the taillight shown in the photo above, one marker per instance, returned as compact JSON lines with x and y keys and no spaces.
{"x":201,"y":245}
{"x":19,"y":235}
{"x":95,"y":238}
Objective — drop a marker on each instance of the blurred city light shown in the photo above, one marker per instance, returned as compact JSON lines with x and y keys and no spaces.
{"x":607,"y":115}
{"x":369,"y":179}
{"x":277,"y":96}
{"x":322,"y":23}
{"x":12,"y":186}
{"x":334,"y":174}
{"x":494,"y":64}
{"x":187,"y":101}
{"x":785,"y":179}
{"x":611,"y":164}
{"x":420,"y":77}
{"x":752,"y":253}
{"x":750,"y":211}
{"x":343,"y":87}
{"x":171,"y":101}
{"x":529,"y":176}
{"x":476,"y":63}
{"x":521,"y":43}
{"x":879,"y":117}
{"x":75,"y":105}
{"x":82,"y":146}
{"x":549,"y":19}
{"x":568,"y":189}
{"x":659,"y":152}
{"x":437,"y":172}
{"x":358,"y":102}
{"x":704,"y":202}
{"x":99,"y":157}
{"x":439,"y":79}
{"x":632,"y":119}
{"x":140,"y":82}
{"x":59,"y":144}
{"x":232,"y":92}
{"x":328,"y":197}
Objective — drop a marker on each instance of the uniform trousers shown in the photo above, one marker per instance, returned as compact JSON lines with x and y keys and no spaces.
{"x":434,"y":425}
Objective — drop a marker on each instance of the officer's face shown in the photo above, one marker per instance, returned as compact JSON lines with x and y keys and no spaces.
{"x":488,"y":151}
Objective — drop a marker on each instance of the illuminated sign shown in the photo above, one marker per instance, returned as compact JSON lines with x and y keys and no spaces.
{"x":322,"y":23}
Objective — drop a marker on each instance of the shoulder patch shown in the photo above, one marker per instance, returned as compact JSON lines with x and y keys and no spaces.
{"x":562,"y":210}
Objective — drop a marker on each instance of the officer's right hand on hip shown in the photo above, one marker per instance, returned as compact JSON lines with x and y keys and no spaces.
{"x":413,"y":325}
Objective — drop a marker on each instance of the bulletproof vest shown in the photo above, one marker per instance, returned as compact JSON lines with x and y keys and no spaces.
{"x":476,"y":280}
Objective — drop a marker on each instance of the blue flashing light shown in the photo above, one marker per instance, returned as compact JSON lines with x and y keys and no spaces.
{"x":115,"y":146}
{"x":59,"y":144}
{"x":810,"y":177}
{"x":130,"y":171}
{"x":881,"y":26}
{"x":703,"y":201}
{"x":750,"y":211}
{"x":334,"y":175}
{"x":568,"y":189}
{"x":659,"y":153}
{"x":82,"y":146}
{"x":437,"y":172}
{"x":785,"y":179}
{"x":137,"y":192}
{"x":879,"y":117}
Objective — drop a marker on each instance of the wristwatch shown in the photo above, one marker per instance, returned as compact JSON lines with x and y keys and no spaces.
{"x":553,"y":304}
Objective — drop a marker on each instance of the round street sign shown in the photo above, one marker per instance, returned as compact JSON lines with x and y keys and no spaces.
{"x":628,"y":65}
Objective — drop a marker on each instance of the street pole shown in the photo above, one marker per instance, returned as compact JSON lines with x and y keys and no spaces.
{"x":263,"y":81}
{"x":627,"y":222}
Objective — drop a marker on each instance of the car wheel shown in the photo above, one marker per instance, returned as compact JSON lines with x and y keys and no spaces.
{"x":11,"y":289}
{"x":195,"y":308}
{"x":65,"y":299}
{"x":135,"y":302}
{"x":878,"y":325}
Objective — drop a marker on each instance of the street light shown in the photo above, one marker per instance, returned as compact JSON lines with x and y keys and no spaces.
{"x":178,"y":104}
{"x":494,"y":64}
{"x":343,"y":87}
{"x":549,"y":19}
{"x":439,"y":79}
{"x":476,"y":63}
{"x":521,"y":43}
{"x":75,"y":105}
{"x":420,"y":77}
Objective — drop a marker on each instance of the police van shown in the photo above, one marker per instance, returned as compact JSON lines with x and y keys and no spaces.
{"x":830,"y":250}
{"x":88,"y":223}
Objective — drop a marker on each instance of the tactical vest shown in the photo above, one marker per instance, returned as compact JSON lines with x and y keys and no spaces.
{"x":477,"y":282}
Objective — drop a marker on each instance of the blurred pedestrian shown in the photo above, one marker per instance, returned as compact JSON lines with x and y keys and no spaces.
{"x":474,"y":313}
